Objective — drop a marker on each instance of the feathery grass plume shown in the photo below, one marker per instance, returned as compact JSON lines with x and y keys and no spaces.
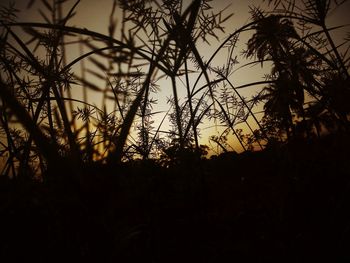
{"x":158,"y":42}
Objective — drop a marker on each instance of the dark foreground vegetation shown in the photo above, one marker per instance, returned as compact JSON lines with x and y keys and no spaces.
{"x":289,"y":204}
{"x":83,"y":181}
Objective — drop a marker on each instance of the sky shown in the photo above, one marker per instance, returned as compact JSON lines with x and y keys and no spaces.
{"x":94,"y":15}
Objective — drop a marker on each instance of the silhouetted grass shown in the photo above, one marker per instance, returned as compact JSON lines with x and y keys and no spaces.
{"x":84,"y":182}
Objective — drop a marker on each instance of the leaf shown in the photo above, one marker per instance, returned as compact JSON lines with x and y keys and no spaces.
{"x":48,"y":6}
{"x":30,"y":4}
{"x":98,"y":64}
{"x":98,"y":75}
{"x":44,"y":16}
{"x":90,"y":85}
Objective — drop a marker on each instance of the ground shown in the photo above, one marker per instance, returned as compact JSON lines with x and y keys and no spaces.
{"x":287,"y":204}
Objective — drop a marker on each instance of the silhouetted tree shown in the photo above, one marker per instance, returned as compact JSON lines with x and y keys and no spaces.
{"x":272,"y":39}
{"x":336,"y":96}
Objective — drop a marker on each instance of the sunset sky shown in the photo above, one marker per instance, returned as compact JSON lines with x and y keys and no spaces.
{"x":94,"y":15}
